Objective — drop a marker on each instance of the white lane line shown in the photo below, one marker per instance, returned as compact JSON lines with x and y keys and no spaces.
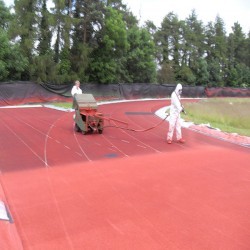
{"x":112,"y":149}
{"x":125,"y":141}
{"x":114,"y":227}
{"x":26,"y":145}
{"x":77,"y":141}
{"x":47,"y":136}
{"x":132,"y":207}
{"x":78,"y":154}
{"x":146,"y":145}
{"x":112,"y":145}
{"x":32,"y":126}
{"x":141,"y":146}
{"x":66,"y":147}
{"x":45,"y":144}
{"x":59,"y":210}
{"x":139,"y":141}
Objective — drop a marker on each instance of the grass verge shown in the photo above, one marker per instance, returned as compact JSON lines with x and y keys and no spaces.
{"x":228,"y":114}
{"x":66,"y":105}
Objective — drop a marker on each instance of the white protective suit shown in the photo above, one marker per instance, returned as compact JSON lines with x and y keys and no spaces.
{"x":76,"y":90}
{"x":175,"y":110}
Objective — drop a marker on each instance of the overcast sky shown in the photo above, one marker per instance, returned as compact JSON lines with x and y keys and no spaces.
{"x":230,"y":11}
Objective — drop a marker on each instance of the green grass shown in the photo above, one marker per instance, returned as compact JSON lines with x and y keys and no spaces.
{"x":66,"y":105}
{"x":228,"y":114}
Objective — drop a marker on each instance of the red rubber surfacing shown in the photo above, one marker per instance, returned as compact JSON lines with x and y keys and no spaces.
{"x":121,"y":190}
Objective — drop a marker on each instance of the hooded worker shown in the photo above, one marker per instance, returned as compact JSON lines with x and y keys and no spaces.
{"x":174,"y":120}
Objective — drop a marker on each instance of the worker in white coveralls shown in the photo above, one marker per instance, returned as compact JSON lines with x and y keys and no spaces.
{"x":175,"y":119}
{"x":76,"y":89}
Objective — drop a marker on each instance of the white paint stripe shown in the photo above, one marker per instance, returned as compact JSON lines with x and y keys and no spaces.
{"x":148,"y":146}
{"x":112,"y":145}
{"x":46,"y":140}
{"x":26,"y":145}
{"x":112,"y":149}
{"x":78,"y":154}
{"x":125,"y":141}
{"x":115,"y":227}
{"x":22,"y":106}
{"x":80,"y":146}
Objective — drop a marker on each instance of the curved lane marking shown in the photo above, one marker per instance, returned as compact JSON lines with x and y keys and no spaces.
{"x":25,"y":144}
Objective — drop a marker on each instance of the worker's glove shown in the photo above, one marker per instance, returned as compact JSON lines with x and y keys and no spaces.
{"x":183,"y":110}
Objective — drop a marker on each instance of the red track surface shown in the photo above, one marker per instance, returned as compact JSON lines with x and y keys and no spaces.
{"x":121,"y":189}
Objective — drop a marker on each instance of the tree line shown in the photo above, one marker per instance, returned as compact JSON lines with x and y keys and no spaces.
{"x":101,"y":41}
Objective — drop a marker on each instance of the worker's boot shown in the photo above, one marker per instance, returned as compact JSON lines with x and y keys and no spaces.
{"x":181,"y":140}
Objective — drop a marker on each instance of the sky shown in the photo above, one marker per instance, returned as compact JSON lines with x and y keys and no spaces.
{"x":230,"y":11}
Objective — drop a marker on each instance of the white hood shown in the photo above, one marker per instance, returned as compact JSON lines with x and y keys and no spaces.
{"x":178,"y":87}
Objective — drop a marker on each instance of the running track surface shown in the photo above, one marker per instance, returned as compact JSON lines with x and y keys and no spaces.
{"x":121,"y":189}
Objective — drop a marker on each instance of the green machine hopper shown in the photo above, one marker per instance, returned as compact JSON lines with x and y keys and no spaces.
{"x":87,"y":118}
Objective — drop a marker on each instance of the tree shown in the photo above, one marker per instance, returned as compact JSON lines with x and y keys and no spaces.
{"x":237,"y":46}
{"x":215,"y":74}
{"x":193,"y":45}
{"x":127,"y":15}
{"x":166,"y":74}
{"x":24,"y":26}
{"x":202,"y":74}
{"x":101,"y":41}
{"x":44,"y":37}
{"x":5,"y":16}
{"x":43,"y":68}
{"x":237,"y":56}
{"x":239,"y":76}
{"x":107,"y":64}
{"x":141,"y":65}
{"x":162,"y":39}
{"x":12,"y":63}
{"x":186,"y":75}
{"x":88,"y":23}
{"x":216,"y":48}
{"x":62,"y":20}
{"x":247,"y":52}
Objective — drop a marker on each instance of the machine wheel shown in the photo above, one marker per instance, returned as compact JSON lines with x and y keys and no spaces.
{"x":91,"y":130}
{"x":77,"y":129}
{"x":100,"y":131}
